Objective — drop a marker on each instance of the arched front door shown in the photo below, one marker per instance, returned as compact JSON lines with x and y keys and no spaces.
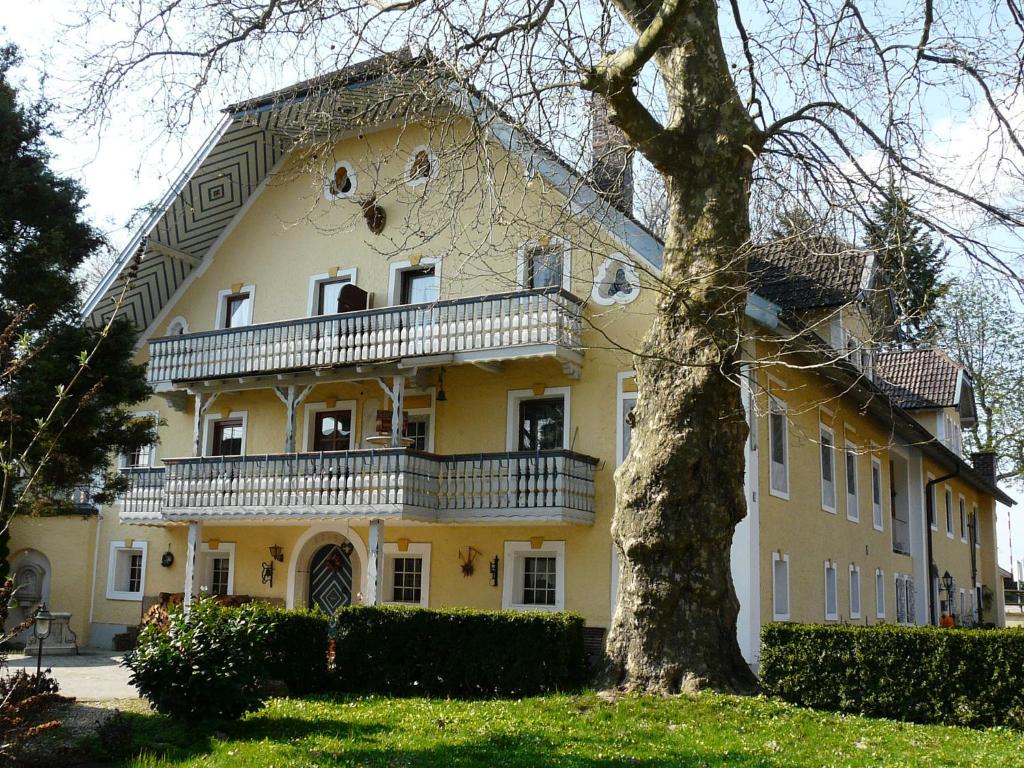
{"x":330,"y":578}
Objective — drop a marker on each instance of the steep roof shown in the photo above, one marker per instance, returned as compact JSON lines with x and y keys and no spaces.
{"x":808,"y":272}
{"x":919,"y":378}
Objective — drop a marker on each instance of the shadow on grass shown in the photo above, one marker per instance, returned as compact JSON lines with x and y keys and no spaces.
{"x":158,"y":739}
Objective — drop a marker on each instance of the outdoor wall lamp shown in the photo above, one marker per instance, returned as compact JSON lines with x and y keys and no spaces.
{"x":494,"y":571}
{"x":267,"y":569}
{"x":42,"y":631}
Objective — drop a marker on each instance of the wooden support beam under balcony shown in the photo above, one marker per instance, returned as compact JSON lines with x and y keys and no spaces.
{"x":484,"y":331}
{"x":552,"y":487}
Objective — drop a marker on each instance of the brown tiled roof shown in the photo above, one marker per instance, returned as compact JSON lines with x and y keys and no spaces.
{"x":918,"y":378}
{"x":807,"y":273}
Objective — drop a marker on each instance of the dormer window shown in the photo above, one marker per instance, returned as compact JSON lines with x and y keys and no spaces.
{"x":341,"y":182}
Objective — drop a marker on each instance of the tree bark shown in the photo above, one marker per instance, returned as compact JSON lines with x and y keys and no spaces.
{"x":680,"y":492}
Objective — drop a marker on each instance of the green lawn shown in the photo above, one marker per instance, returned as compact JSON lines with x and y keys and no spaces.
{"x":584,"y":731}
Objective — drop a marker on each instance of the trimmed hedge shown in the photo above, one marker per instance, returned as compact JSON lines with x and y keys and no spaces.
{"x":918,"y":674}
{"x":457,"y":652}
{"x":296,"y":649}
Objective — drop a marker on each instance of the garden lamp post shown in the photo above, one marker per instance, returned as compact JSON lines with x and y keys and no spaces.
{"x":42,"y":631}
{"x":947,"y":584}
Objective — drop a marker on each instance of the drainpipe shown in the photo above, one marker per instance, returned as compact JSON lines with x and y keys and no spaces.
{"x":932,"y":514}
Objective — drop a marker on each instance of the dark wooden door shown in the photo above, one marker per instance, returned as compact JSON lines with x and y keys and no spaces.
{"x":330,"y":579}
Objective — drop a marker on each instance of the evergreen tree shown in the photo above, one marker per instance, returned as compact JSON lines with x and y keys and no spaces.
{"x":912,"y":262}
{"x":65,"y":387}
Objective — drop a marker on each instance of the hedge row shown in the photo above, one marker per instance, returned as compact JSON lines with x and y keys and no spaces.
{"x":457,"y":652}
{"x":919,"y":674}
{"x":216,"y":661}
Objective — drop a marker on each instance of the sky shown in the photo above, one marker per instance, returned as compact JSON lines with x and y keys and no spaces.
{"x":132,"y":163}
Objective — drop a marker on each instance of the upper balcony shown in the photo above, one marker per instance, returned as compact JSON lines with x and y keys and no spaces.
{"x":553,"y":486}
{"x":495,"y":327}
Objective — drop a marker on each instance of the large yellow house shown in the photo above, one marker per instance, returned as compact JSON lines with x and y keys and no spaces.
{"x":372,"y":389}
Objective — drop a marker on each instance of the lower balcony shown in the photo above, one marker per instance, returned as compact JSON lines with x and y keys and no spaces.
{"x":554,"y":486}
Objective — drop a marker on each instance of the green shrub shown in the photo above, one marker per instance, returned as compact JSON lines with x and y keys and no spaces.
{"x":207,"y":664}
{"x":919,"y":674}
{"x":457,"y":652}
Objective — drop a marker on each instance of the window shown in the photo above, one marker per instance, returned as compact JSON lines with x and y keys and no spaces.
{"x":545,"y":265}
{"x":328,"y":296}
{"x":228,"y":436}
{"x":215,"y":571}
{"x":780,"y":587}
{"x":876,"y":494}
{"x":144,"y":456}
{"x":828,"y":470}
{"x":236,"y":310}
{"x":421,"y":167}
{"x":332,"y":430}
{"x":626,"y":404}
{"x":963,"y":604}
{"x":932,"y":509}
{"x":879,"y":593}
{"x":340,"y":182}
{"x":852,"y":502}
{"x":976,"y":525}
{"x":778,"y":446}
{"x":541,"y":424}
{"x":949,"y":512}
{"x":831,"y":591}
{"x":963,"y":519}
{"x":419,"y":286}
{"x":904,"y":599}
{"x":407,"y":573}
{"x":417,"y":429}
{"x":534,"y":579}
{"x":854,"y":592}
{"x":126,"y":574}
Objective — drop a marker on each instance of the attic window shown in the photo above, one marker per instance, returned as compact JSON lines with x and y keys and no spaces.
{"x":616,"y":281}
{"x":422,"y":166}
{"x":341,"y":183}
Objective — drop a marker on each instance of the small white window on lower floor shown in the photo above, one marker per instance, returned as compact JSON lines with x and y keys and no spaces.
{"x":534,"y":576}
{"x":407,"y":573}
{"x":780,"y":587}
{"x":831,"y":591}
{"x":854,"y":592}
{"x":879,"y":593}
{"x":215,"y":569}
{"x":126,"y":572}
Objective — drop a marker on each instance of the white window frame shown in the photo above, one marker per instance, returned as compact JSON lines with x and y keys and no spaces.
{"x":430,"y":411}
{"x":552,"y":242}
{"x":879,"y":593}
{"x":776,"y":616}
{"x":778,"y":406}
{"x":962,"y":508}
{"x":414,"y":549}
{"x":877,"y":508}
{"x":329,"y":181}
{"x":210,"y":418}
{"x":122,"y":546}
{"x":932,"y":489}
{"x":977,"y":528}
{"x":395,"y":270}
{"x":830,"y":565}
{"x":852,"y":501}
{"x":325,"y":277}
{"x":962,"y":605}
{"x":514,"y":552}
{"x":855,"y":580}
{"x":309,"y":412}
{"x":435,"y":167}
{"x":222,"y":297}
{"x":947,"y":499}
{"x":122,"y":460}
{"x":622,"y":397}
{"x":822,"y":428}
{"x":204,"y":571}
{"x":517,"y":396}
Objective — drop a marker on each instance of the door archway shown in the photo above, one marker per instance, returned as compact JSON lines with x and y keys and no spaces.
{"x":330,"y":578}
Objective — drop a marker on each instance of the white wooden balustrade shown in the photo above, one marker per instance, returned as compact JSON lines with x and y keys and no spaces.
{"x":494,"y":322}
{"x":401,"y":483}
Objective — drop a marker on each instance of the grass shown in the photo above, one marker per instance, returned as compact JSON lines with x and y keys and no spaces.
{"x":580,"y":731}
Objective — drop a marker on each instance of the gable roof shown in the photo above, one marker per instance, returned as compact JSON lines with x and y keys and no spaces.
{"x":257,"y":133}
{"x":920,"y":378}
{"x":808,"y":272}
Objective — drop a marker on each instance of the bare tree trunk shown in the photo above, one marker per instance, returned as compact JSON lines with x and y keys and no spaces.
{"x":680,"y":492}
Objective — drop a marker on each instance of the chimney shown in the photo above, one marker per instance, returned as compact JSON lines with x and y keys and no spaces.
{"x":985,"y":464}
{"x":611,"y":158}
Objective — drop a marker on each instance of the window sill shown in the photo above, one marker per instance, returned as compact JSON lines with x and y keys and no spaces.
{"x":543,"y":608}
{"x":127,"y":596}
{"x":784,"y":495}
